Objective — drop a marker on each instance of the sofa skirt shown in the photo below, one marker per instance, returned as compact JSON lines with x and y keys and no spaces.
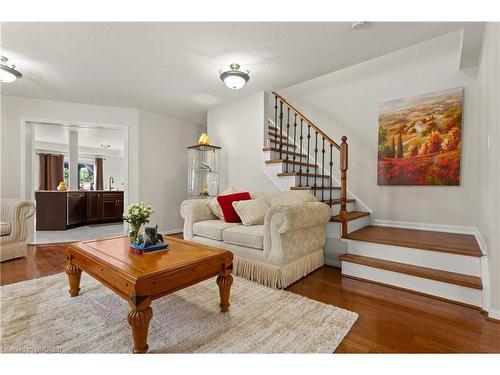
{"x":278,"y":276}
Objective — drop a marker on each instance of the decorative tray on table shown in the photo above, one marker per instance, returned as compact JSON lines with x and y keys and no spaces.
{"x":148,"y":249}
{"x":149,"y":241}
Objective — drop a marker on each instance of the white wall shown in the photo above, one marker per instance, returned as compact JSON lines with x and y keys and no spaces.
{"x":238,"y":127}
{"x":488,"y":122}
{"x":346,"y":102}
{"x":115,"y":167}
{"x":163,"y":143}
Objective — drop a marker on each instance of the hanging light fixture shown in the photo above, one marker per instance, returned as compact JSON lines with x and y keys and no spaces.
{"x":235,"y":79}
{"x":8,"y":73}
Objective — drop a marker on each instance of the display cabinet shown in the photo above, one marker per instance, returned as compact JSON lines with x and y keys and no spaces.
{"x":203,"y":171}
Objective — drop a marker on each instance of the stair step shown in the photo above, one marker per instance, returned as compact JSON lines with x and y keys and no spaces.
{"x":453,"y":243}
{"x":275,"y":135}
{"x":277,"y":142}
{"x":409,"y":269}
{"x":314,"y":188}
{"x":353,"y":215}
{"x":275,"y":149}
{"x":337,"y":201}
{"x":297,"y":174}
{"x":276,"y":161}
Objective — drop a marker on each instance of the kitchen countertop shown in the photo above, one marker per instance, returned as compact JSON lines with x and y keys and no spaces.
{"x":79,"y":191}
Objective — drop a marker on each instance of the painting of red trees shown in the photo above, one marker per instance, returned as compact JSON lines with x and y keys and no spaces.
{"x":419,"y":139}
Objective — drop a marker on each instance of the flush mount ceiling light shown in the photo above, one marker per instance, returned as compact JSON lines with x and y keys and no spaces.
{"x":235,"y":79}
{"x":358,"y":25}
{"x":8,"y":73}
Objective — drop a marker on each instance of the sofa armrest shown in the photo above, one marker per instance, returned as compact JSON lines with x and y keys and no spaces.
{"x":292,"y":232}
{"x":298,"y":216}
{"x":17,"y":212}
{"x":192,"y":211}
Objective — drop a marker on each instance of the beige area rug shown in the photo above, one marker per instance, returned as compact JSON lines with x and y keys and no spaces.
{"x":39,"y":316}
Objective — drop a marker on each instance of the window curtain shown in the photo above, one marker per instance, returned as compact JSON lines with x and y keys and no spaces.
{"x":99,"y":178}
{"x":51,"y":171}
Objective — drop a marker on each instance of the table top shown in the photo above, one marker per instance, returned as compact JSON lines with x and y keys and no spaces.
{"x":116,"y":254}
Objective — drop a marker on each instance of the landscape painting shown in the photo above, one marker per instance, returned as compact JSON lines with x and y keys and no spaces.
{"x":419,"y":139}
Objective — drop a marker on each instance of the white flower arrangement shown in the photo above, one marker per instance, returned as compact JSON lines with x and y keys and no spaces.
{"x":137,"y":214}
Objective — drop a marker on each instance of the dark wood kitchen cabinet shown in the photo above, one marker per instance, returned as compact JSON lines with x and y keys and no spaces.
{"x":62,"y":210}
{"x":104,"y":206}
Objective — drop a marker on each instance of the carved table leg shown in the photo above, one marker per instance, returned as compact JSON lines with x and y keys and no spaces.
{"x":224,"y":281}
{"x":139,"y":318}
{"x":74,"y":273}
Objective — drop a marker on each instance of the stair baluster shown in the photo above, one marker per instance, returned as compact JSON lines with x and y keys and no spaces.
{"x":294,"y":136}
{"x":281,"y":130}
{"x":316,"y":162}
{"x":275,"y":127}
{"x":331,"y":175}
{"x":300,"y":150}
{"x":307,"y":158}
{"x":322,"y":171}
{"x":287,"y":137}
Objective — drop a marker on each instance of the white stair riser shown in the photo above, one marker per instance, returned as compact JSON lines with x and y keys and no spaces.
{"x":452,"y":292}
{"x":425,"y":258}
{"x":276,"y":155}
{"x":351,"y":206}
{"x":333,"y":230}
{"x":335,"y":194}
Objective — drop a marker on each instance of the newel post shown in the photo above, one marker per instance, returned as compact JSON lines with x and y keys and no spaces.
{"x":343,"y":184}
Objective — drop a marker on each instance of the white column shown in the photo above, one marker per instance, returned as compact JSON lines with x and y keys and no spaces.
{"x":73,"y":160}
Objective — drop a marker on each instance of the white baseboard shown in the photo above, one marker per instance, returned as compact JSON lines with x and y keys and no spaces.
{"x":333,"y":262}
{"x":426,"y":226}
{"x":494,"y":314}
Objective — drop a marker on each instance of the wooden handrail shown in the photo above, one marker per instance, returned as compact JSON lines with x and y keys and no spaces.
{"x":331,"y":141}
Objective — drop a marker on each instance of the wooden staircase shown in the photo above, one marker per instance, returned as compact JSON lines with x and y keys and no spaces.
{"x":443,"y":265}
{"x":306,"y":153}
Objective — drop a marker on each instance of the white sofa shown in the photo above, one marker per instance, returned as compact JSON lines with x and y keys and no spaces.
{"x":13,"y":228}
{"x":286,"y":248}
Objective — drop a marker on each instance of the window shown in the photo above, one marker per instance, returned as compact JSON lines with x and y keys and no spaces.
{"x":85,"y":175}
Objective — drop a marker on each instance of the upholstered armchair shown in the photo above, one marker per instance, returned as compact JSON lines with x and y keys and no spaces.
{"x":13,"y":228}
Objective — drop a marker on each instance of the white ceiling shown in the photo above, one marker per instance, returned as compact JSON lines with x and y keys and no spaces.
{"x":87,"y":137}
{"x":171,"y":68}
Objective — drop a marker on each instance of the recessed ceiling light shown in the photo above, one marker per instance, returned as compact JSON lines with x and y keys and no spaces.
{"x":235,"y":79}
{"x":8,"y":73}
{"x":358,"y":25}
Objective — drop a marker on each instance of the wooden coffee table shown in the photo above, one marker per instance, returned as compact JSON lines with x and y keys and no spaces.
{"x":142,"y":278}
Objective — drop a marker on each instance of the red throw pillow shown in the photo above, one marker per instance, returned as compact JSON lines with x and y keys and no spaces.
{"x":226,"y":205}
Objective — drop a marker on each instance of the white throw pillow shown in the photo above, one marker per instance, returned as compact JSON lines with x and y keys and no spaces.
{"x":214,"y":205}
{"x":251,"y":212}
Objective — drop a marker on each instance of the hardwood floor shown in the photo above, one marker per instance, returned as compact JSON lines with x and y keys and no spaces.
{"x":390,"y":320}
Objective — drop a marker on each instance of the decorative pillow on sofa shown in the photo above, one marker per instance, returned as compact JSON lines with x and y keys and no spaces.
{"x":214,"y":205}
{"x":226,"y":205}
{"x":251,"y":212}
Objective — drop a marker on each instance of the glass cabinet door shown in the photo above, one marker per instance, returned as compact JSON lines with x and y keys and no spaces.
{"x":203,"y":171}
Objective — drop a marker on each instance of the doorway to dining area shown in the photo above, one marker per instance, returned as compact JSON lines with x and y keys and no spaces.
{"x":79,"y":181}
